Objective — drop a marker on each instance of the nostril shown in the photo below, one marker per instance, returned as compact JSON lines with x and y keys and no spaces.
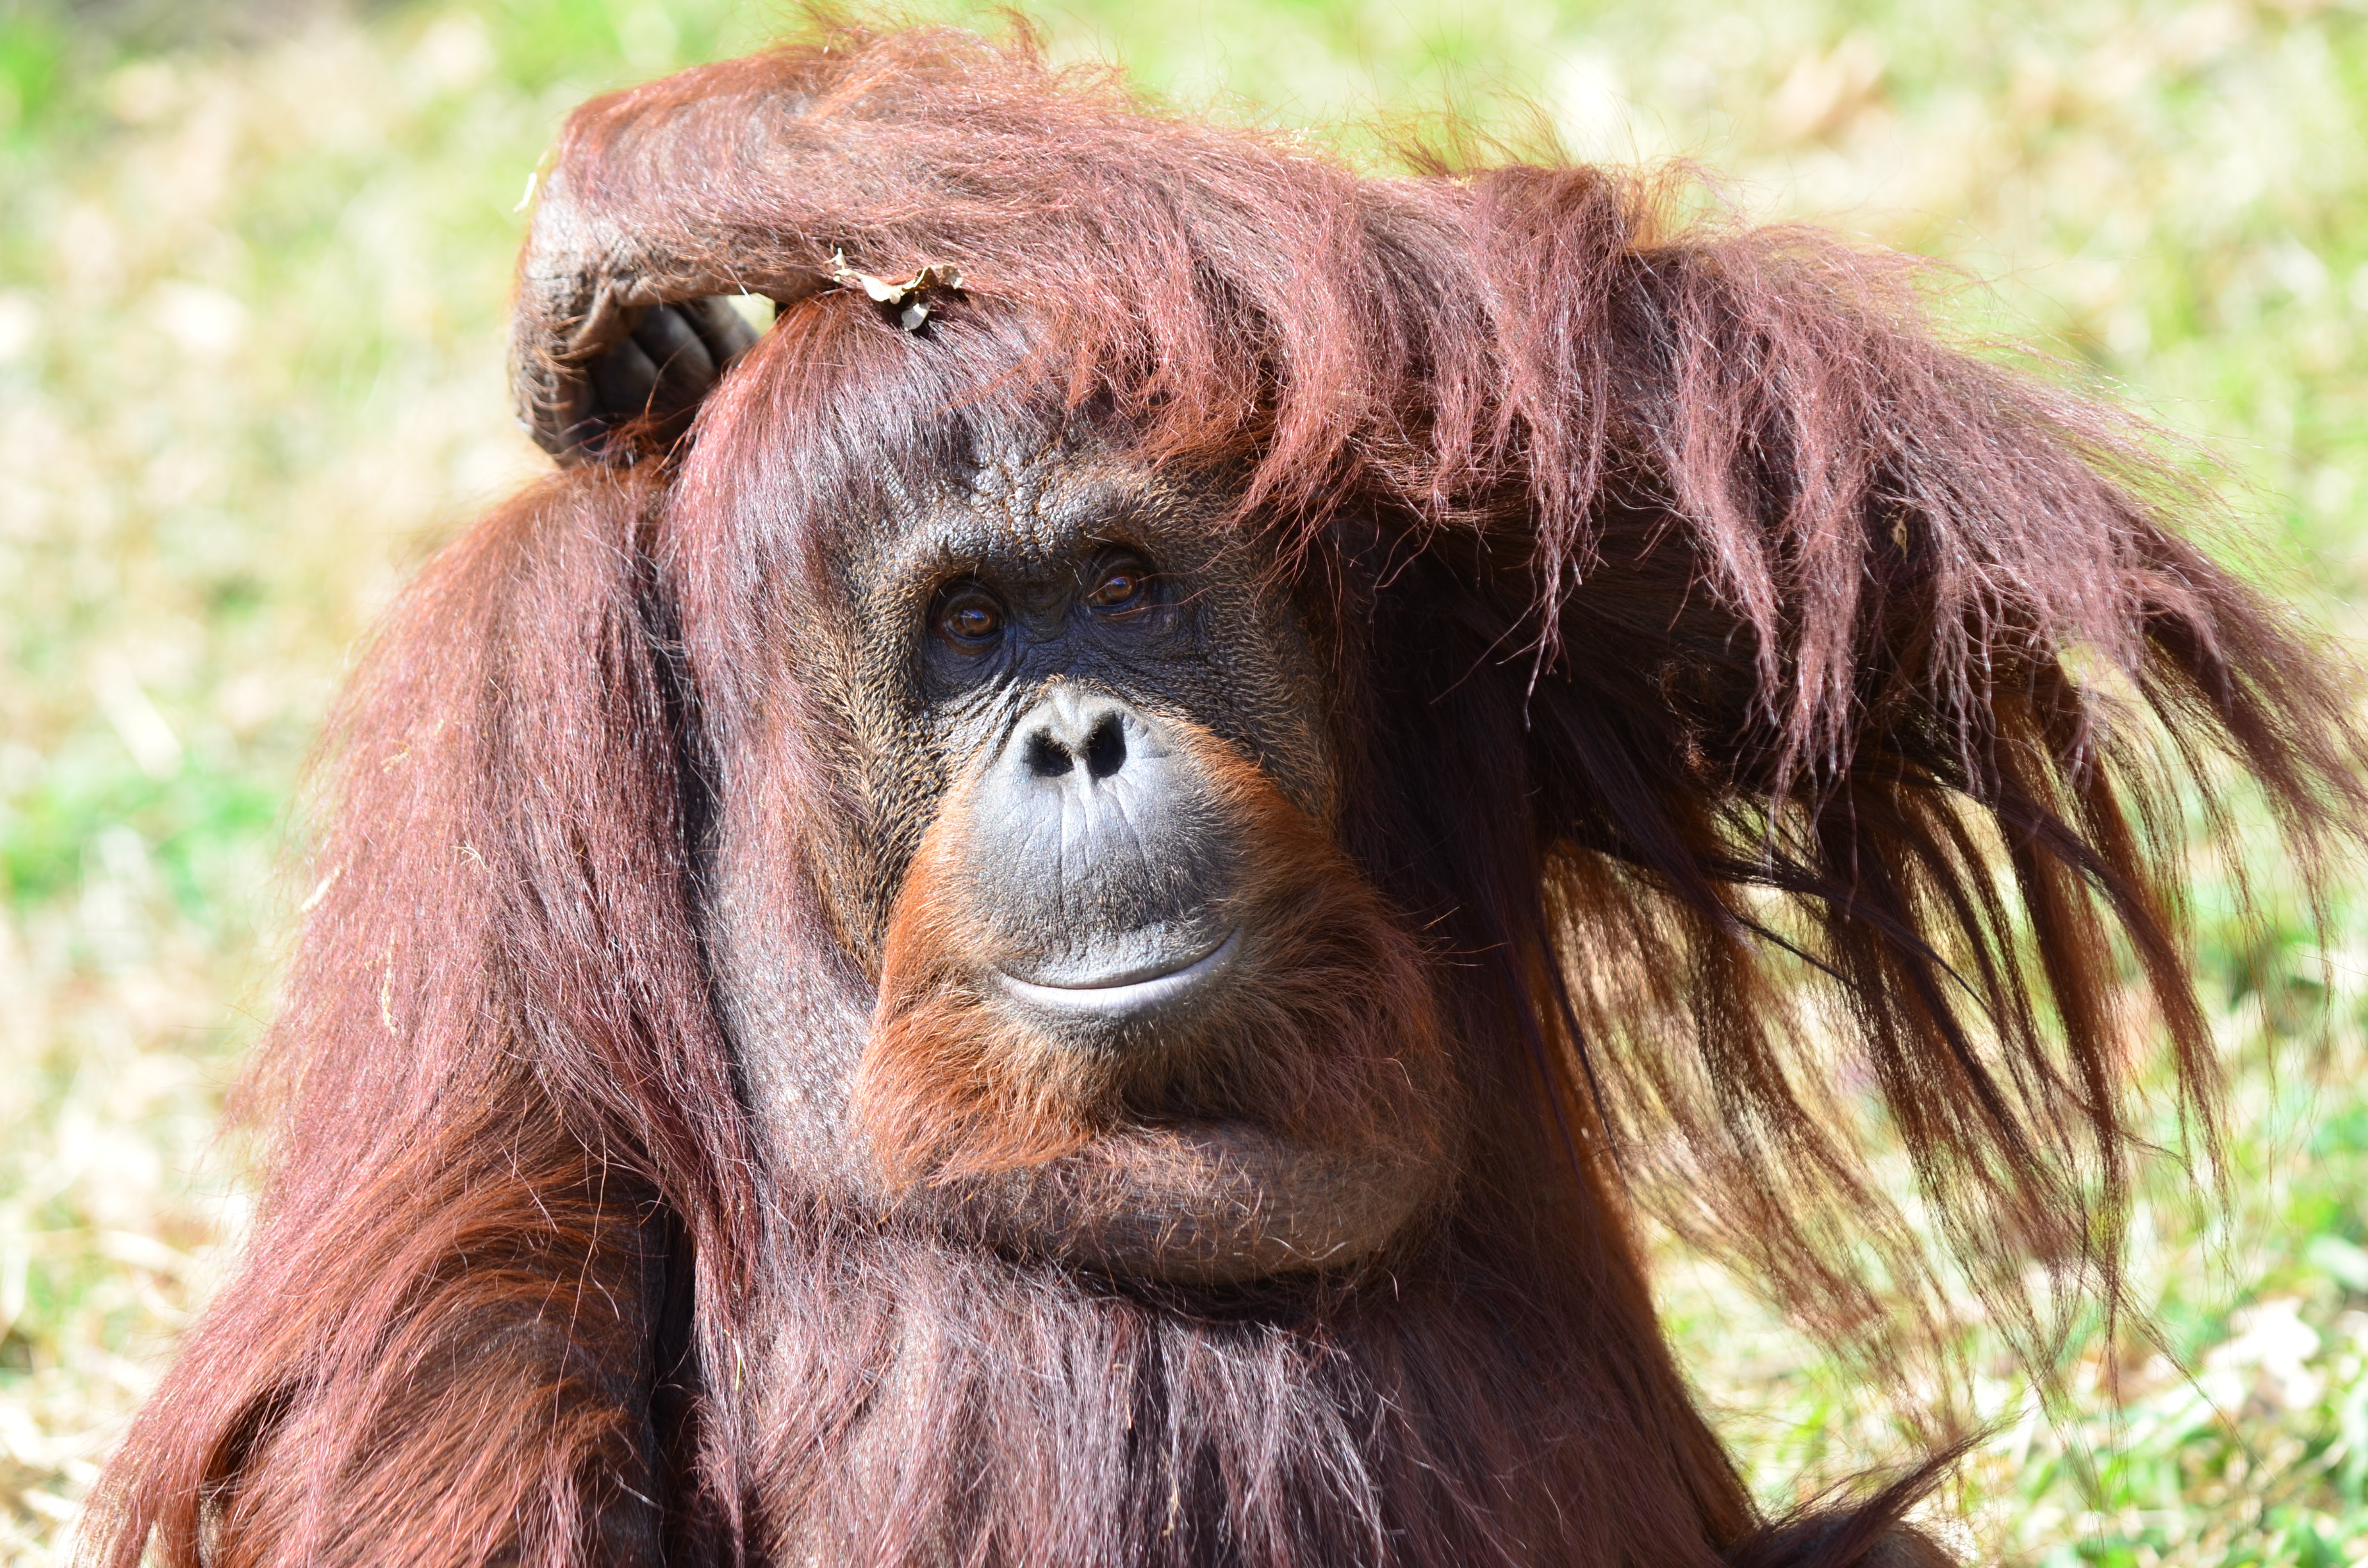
{"x":1106,"y":747}
{"x":1047,"y":759}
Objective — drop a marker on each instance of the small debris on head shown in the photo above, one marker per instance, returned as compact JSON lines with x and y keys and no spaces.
{"x":907,"y":298}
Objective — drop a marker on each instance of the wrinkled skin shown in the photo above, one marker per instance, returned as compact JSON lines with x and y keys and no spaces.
{"x":1203,"y":639}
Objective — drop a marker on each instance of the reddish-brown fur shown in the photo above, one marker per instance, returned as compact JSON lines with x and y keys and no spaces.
{"x":1688,"y":608}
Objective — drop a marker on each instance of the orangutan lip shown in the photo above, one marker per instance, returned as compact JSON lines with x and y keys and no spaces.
{"x":1129,"y":991}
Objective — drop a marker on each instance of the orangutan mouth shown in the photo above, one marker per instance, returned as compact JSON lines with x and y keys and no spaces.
{"x":1127,"y":993}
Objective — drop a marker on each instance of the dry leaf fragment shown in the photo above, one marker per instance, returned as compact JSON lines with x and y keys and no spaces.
{"x":907,"y":296}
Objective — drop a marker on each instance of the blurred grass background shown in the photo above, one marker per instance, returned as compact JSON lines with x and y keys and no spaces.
{"x":253,"y":260}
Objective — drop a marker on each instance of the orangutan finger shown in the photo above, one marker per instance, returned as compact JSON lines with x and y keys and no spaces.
{"x":624,"y":378}
{"x":684,"y":369}
{"x":724,"y":330}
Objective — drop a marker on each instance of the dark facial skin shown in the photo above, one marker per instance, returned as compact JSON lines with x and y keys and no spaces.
{"x":1034,"y":655}
{"x":1003,"y":630}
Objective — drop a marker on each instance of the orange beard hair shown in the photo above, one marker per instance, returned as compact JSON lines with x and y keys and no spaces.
{"x":1328,"y":1035}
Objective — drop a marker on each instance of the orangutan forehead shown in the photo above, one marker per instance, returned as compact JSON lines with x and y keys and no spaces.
{"x":1037,"y":507}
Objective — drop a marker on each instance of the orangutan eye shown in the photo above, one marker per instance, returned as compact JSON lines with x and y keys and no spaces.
{"x":1120,"y":582}
{"x":969,"y":618}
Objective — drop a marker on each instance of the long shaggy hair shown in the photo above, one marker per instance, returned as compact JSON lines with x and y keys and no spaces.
{"x":1703,"y":632}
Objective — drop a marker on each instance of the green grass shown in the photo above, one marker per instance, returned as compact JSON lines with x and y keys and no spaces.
{"x":252,"y":285}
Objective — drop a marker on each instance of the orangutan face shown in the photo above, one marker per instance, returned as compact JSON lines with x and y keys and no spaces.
{"x":1133,"y":1004}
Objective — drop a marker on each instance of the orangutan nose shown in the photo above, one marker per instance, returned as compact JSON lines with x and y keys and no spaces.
{"x":1066,"y":731}
{"x":1088,"y":786}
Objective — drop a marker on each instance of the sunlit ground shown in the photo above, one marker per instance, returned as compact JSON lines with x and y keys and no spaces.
{"x":252,"y":269}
